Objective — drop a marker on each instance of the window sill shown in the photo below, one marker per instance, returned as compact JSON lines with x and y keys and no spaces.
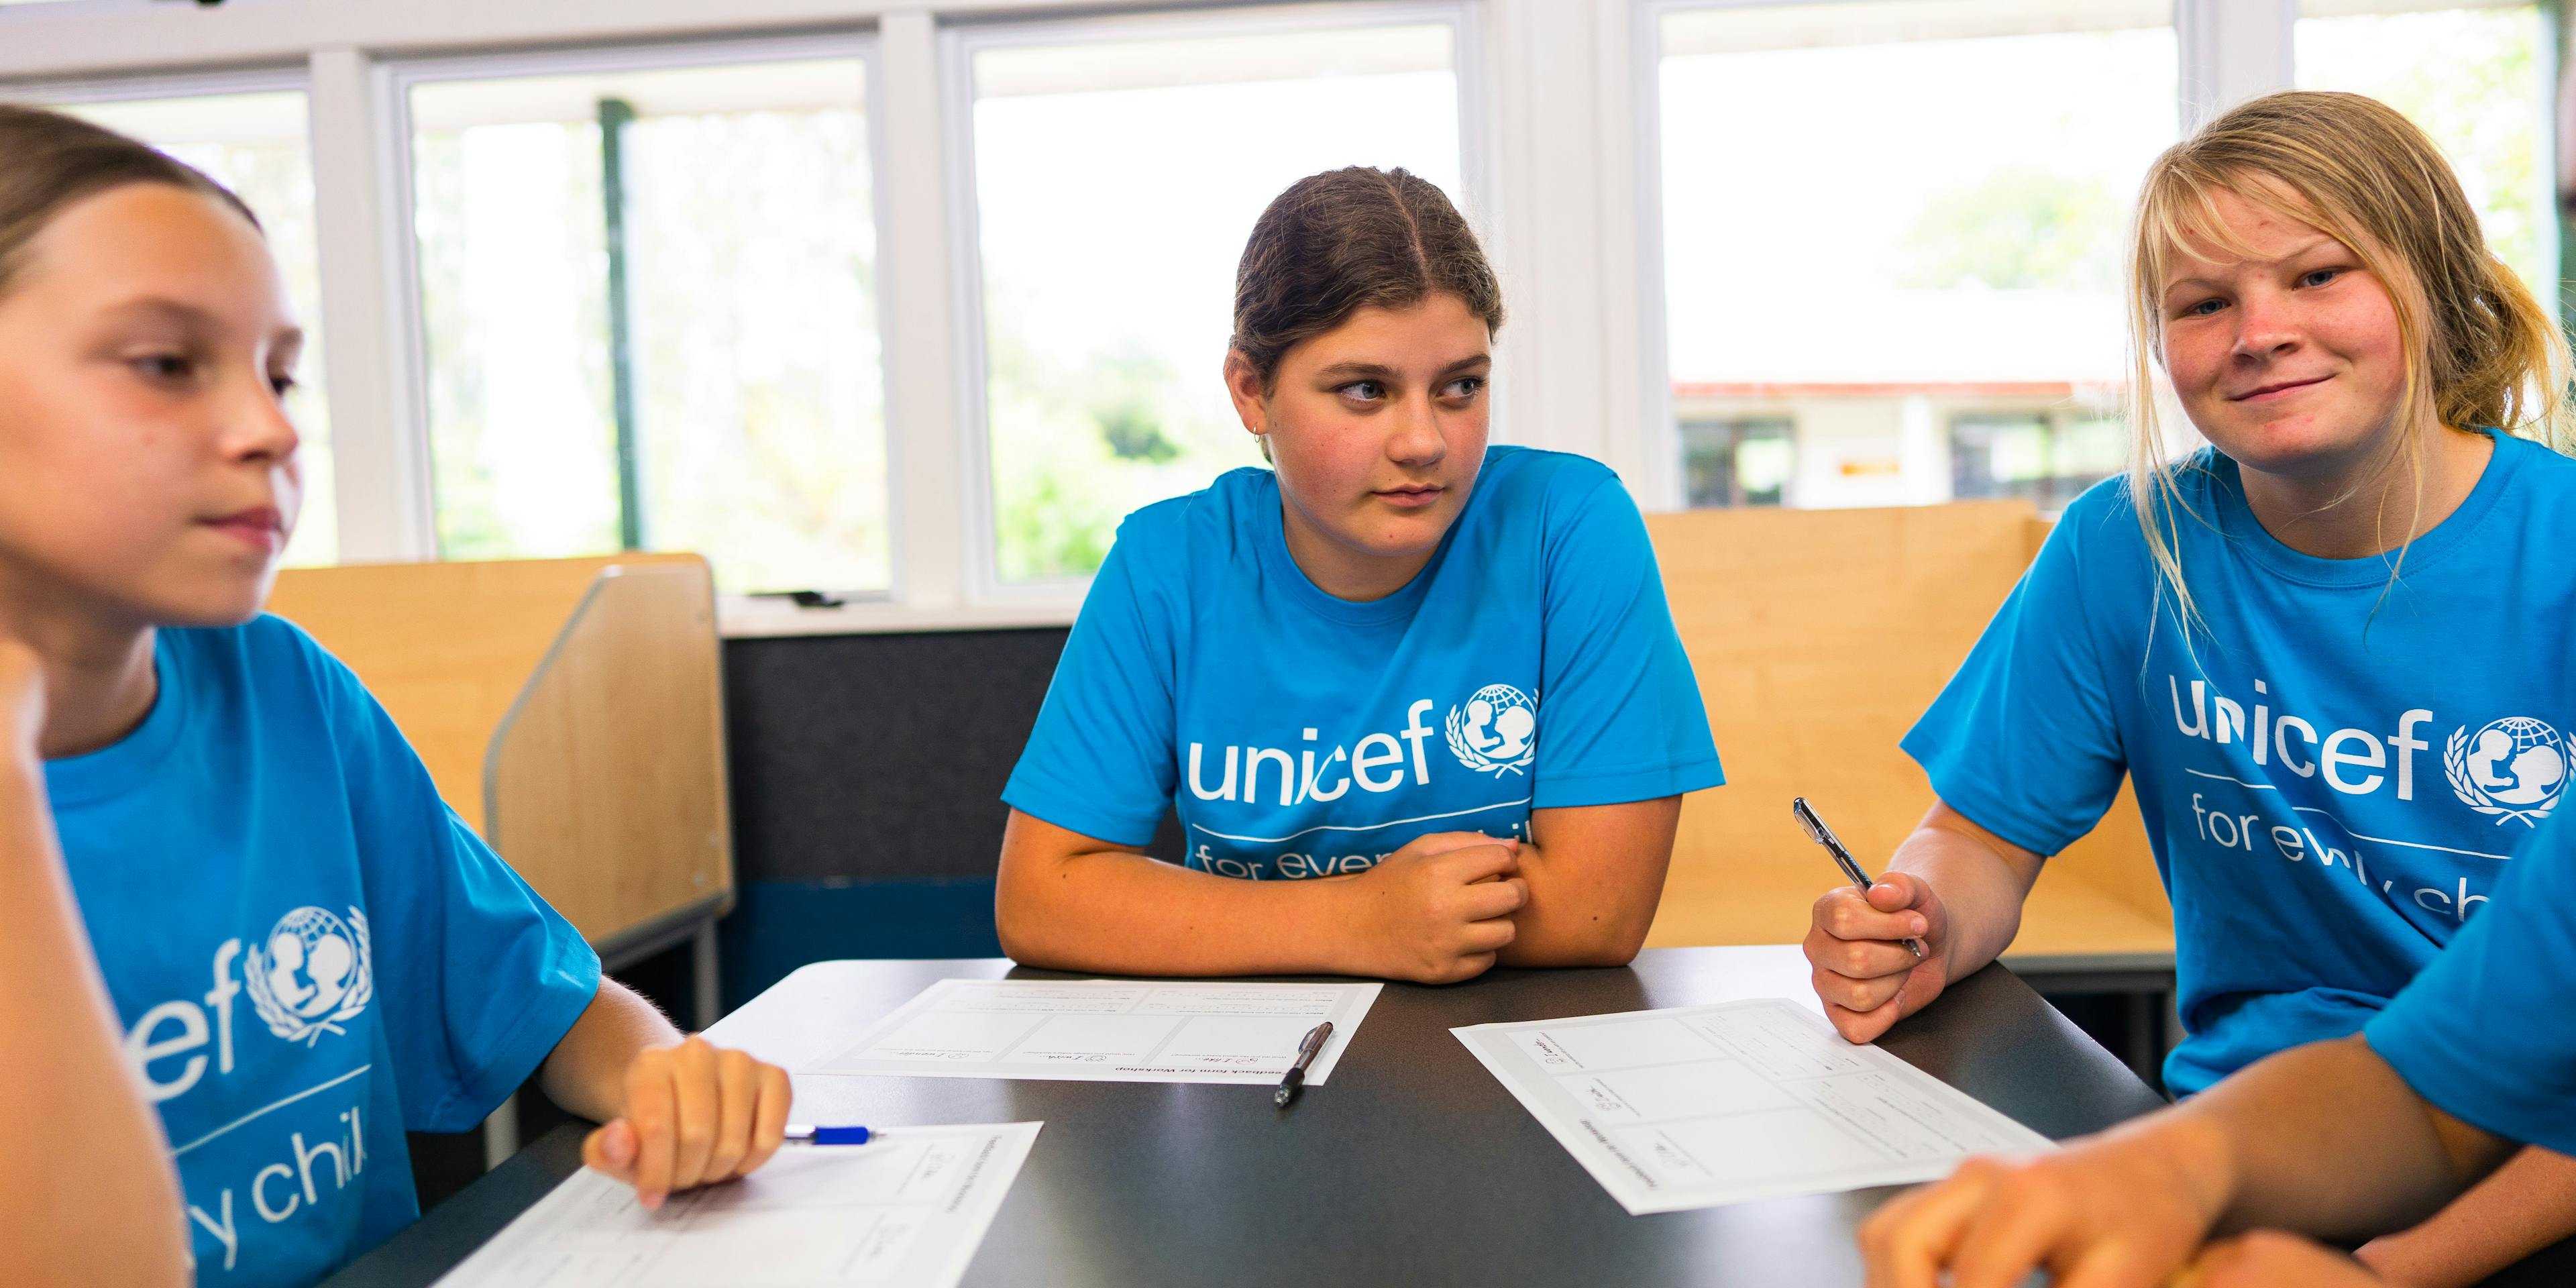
{"x":744,"y":617}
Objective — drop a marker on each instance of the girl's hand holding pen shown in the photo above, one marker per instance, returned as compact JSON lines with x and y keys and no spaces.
{"x":1863,"y":971}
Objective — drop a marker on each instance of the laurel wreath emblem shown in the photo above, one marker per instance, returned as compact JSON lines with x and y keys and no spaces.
{"x":2455,"y":766}
{"x":283,"y":1021}
{"x":1474,"y":759}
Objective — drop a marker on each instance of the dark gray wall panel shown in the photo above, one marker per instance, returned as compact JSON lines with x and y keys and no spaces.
{"x":867,"y":757}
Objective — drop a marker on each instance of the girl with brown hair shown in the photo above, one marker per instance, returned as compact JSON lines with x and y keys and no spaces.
{"x":249,"y":946}
{"x":1417,"y":700}
{"x":2329,"y":649}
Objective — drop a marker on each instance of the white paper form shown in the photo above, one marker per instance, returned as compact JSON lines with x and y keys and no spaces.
{"x":1103,"y":1030}
{"x":1704,"y":1105}
{"x":906,"y":1210}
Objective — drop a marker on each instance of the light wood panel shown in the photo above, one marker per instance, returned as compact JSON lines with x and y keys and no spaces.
{"x":606,"y":784}
{"x":445,"y":646}
{"x":1818,"y":637}
{"x":584,"y":695}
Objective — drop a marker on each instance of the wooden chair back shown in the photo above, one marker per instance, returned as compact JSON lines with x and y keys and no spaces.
{"x":569,"y":709}
{"x":1818,"y":637}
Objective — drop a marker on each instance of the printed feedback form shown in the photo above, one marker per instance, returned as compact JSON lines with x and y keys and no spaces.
{"x":1703,"y":1105}
{"x":906,"y":1210}
{"x":1108,"y":1031}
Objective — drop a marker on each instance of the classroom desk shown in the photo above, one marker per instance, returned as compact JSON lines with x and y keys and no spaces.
{"x":1411,"y":1167}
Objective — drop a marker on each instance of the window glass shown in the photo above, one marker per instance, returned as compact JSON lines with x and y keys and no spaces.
{"x":1876,"y":215}
{"x":2476,"y":77}
{"x":1738,"y":462}
{"x":735,"y":405}
{"x":2047,"y":459}
{"x":1116,"y":181}
{"x":258,"y":145}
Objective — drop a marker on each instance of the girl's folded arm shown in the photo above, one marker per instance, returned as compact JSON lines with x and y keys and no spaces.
{"x":85,"y":1174}
{"x":1071,"y":902}
{"x":1596,"y":876}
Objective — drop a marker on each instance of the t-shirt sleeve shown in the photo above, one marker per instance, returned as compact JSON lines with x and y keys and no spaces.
{"x":2479,"y":1032}
{"x":2022,"y":740}
{"x":479,"y":977}
{"x":1099,"y":761}
{"x":1620,"y":715}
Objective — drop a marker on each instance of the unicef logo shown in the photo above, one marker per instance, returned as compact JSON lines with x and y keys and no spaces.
{"x":314,"y":972}
{"x":1495,"y":731}
{"x":2513,"y":769}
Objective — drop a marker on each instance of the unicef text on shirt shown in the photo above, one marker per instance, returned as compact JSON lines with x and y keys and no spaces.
{"x":2511,"y":769}
{"x":308,"y":977}
{"x":1299,"y":783}
{"x":312,"y":974}
{"x":1494,"y":732}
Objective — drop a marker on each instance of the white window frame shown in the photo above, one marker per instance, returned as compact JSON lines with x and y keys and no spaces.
{"x":2226,"y":51}
{"x":394,"y":81}
{"x":1558,"y":124}
{"x":958,"y":47}
{"x":82,"y":7}
{"x":148,"y":86}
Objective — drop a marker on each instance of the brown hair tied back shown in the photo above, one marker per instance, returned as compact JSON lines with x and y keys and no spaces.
{"x":49,"y":161}
{"x":1345,"y":240}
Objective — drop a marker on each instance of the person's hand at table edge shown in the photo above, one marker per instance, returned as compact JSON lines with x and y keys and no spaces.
{"x":2275,"y":1259}
{"x":695,"y":1114}
{"x":2122,"y":1210}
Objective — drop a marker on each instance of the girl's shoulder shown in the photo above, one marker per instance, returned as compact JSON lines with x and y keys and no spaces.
{"x":1163,"y":540}
{"x":2550,"y":469}
{"x":2103,"y":521}
{"x":267,"y":663}
{"x":1221,"y":528}
{"x":268,"y":644}
{"x":1556,"y":492}
{"x":1248,"y":496}
{"x":2527,"y":497}
{"x":1232,"y":497}
{"x":1528,"y":473}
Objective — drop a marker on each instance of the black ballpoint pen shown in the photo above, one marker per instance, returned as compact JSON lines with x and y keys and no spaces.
{"x":1306,"y":1049}
{"x":1824,"y":836}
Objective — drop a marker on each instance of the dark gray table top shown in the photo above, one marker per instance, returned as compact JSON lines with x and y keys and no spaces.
{"x":1411,"y":1167}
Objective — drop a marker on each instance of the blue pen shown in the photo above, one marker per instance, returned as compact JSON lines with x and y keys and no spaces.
{"x":809,"y":1134}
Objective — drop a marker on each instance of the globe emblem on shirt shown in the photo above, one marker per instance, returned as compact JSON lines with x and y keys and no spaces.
{"x":311,"y":972}
{"x":1496,"y":731}
{"x":2512,"y":769}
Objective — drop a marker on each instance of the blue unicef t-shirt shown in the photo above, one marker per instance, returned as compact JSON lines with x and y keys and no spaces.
{"x":2483,"y":1033}
{"x":309,"y":952}
{"x":2333,"y":775}
{"x":1531,"y":664}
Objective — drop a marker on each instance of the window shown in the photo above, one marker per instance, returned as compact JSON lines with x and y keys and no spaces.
{"x":256,"y":143}
{"x":2483,"y":94}
{"x":648,"y":305}
{"x":1875,"y":210}
{"x":2045,"y":457}
{"x":1117,"y":170}
{"x":1738,"y":462}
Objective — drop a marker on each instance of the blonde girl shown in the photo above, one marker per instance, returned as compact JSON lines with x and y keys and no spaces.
{"x":2329,"y":649}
